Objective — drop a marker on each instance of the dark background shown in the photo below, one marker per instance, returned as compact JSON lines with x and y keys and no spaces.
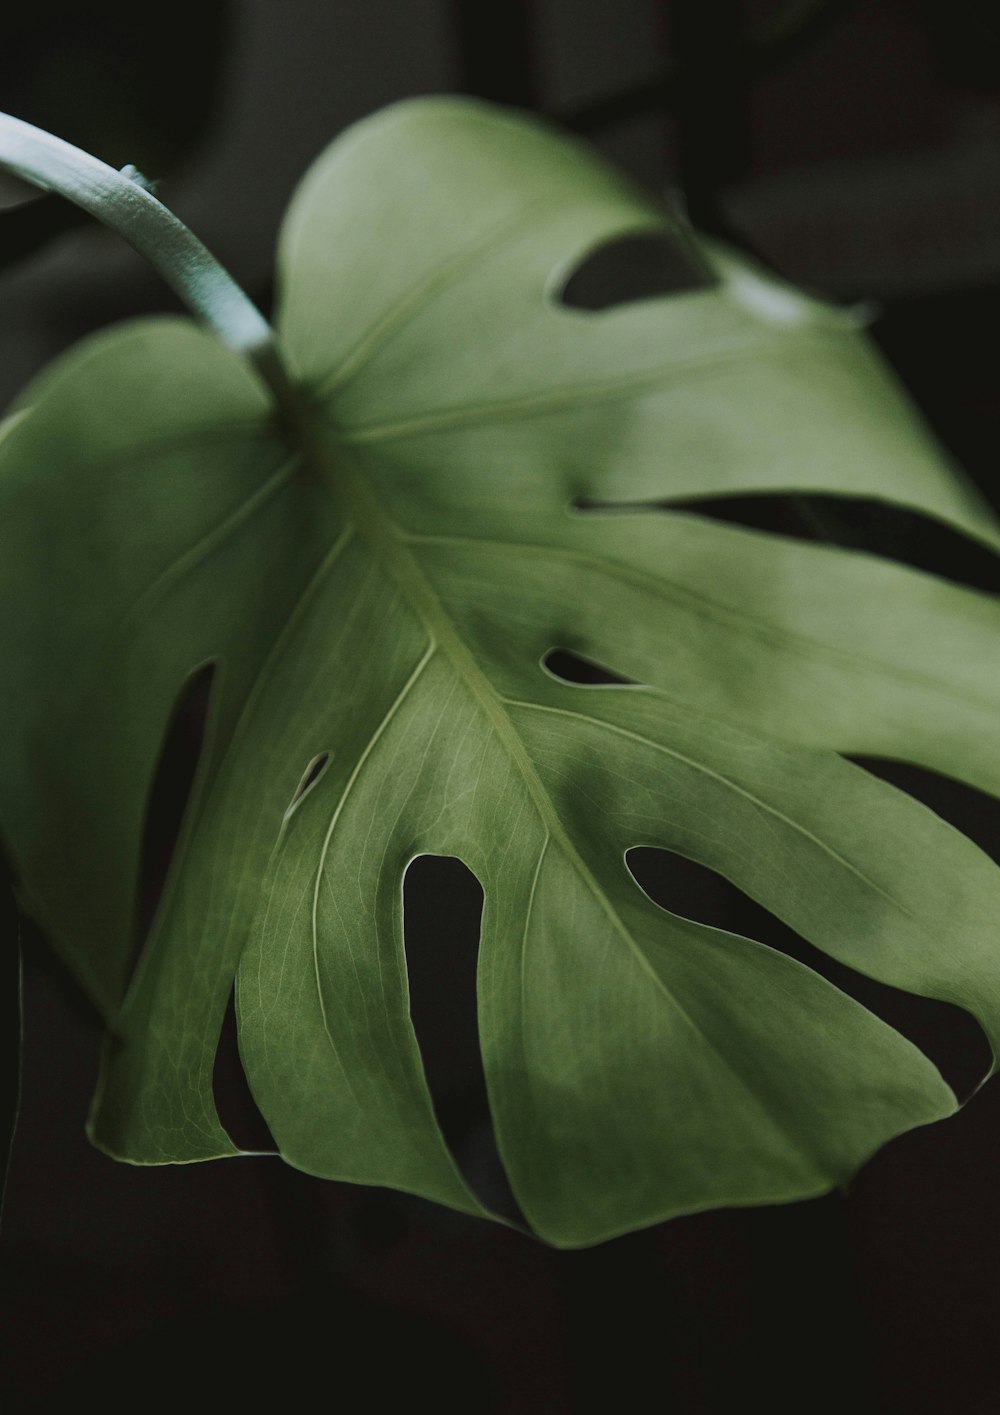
{"x":854,"y":147}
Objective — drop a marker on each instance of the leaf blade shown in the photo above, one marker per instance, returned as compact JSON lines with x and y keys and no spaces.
{"x":370,"y":599}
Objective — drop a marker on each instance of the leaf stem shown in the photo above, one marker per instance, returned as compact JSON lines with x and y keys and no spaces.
{"x":121,"y":202}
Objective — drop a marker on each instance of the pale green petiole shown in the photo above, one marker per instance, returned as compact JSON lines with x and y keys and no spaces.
{"x":119,"y":201}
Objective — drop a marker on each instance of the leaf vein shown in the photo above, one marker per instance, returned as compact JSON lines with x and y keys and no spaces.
{"x":724,"y":781}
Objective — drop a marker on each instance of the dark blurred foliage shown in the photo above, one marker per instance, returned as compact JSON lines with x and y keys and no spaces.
{"x":125,"y":82}
{"x":965,"y":35}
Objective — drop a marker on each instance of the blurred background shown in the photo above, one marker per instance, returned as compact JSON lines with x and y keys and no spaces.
{"x":853,"y":147}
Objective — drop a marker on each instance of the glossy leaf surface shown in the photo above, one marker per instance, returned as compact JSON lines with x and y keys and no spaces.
{"x":378,"y":581}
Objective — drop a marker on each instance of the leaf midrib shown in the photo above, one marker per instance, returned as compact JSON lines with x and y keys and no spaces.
{"x":387,"y":542}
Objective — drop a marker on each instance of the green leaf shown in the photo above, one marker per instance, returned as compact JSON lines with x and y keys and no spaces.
{"x":378,"y":580}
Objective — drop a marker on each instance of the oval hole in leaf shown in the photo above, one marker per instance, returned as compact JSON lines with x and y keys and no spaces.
{"x":168,"y":797}
{"x":642,"y":266}
{"x":764,"y":511}
{"x":442,"y":911}
{"x":234,"y":1102}
{"x":950,"y":1036}
{"x":798,"y":517}
{"x":572,"y":667}
{"x":310,"y":776}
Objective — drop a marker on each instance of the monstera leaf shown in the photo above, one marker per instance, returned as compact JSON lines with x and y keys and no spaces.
{"x":471,"y":474}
